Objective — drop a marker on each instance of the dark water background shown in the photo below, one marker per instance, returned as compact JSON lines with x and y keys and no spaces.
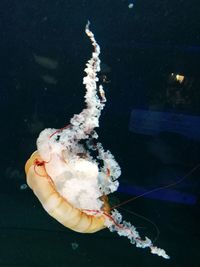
{"x":141,"y":47}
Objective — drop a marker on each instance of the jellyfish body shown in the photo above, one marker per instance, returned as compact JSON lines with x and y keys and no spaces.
{"x":55,"y":204}
{"x":71,"y":175}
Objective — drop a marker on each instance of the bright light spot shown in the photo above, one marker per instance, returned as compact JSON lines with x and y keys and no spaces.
{"x":179,"y":78}
{"x":131,"y":5}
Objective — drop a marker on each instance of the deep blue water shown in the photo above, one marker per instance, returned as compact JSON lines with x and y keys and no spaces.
{"x":141,"y":47}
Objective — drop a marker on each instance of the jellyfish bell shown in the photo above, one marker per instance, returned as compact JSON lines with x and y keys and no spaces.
{"x":54,"y":200}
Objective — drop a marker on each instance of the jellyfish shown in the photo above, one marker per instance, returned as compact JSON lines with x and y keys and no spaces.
{"x":72,"y":175}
